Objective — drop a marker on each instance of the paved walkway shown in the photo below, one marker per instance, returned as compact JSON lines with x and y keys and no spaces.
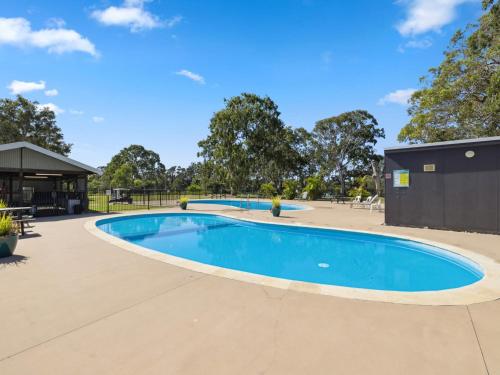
{"x":74,"y":304}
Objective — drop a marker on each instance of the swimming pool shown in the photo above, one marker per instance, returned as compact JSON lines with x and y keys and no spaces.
{"x":248,"y":204}
{"x":324,"y":256}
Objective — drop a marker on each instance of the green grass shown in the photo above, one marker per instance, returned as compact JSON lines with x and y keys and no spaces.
{"x":99,"y":202}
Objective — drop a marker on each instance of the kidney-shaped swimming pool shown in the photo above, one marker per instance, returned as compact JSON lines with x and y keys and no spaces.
{"x":248,"y":204}
{"x":323,"y":256}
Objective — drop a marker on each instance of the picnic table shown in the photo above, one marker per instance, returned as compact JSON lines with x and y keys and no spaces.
{"x":18,"y":217}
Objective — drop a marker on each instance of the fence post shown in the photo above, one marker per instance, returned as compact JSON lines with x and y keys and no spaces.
{"x":107,"y":203}
{"x":148,"y":199}
{"x":160,"y":198}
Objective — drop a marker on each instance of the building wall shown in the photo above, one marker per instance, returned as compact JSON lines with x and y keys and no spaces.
{"x":10,"y":159}
{"x":32,"y":160}
{"x":462,"y":194}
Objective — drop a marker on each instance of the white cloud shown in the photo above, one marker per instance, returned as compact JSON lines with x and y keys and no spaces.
{"x":52,"y":107}
{"x":97,"y":119}
{"x":416,"y":43}
{"x":51,"y":92}
{"x":132,"y":14}
{"x":173,"y":21}
{"x":422,"y":43}
{"x":76,"y":112}
{"x":397,"y":97}
{"x":20,"y":87}
{"x":56,"y":23}
{"x":192,"y":76}
{"x":428,"y":15}
{"x":17,"y":32}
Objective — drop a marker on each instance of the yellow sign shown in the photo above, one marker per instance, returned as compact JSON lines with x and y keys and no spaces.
{"x":401,"y":178}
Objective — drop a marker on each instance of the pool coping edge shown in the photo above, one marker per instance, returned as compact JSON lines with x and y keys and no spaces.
{"x":486,"y":289}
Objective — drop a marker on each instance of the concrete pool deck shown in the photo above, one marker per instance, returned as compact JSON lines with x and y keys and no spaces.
{"x":74,"y":304}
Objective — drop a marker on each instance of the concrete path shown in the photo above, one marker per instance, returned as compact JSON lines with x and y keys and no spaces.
{"x":74,"y":304}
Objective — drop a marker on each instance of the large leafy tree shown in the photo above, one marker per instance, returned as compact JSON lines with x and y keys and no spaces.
{"x":24,"y":120}
{"x":461,"y":97}
{"x":135,"y":166}
{"x":344,"y":144}
{"x":248,"y":143}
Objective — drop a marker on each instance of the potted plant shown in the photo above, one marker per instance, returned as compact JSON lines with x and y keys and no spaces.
{"x":276,"y":206}
{"x":183,"y":202}
{"x":8,"y":237}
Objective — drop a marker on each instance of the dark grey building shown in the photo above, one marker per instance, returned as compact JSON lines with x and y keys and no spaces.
{"x":446,"y":185}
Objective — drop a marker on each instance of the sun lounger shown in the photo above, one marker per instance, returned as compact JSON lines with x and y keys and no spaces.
{"x":355,"y":201}
{"x":366,"y":203}
{"x":377,"y":205}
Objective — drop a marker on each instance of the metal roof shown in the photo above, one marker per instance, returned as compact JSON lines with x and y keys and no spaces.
{"x":17,"y":145}
{"x":443,"y":144}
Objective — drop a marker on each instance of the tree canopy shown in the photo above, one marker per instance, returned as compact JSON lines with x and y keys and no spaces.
{"x":134,"y":166}
{"x":248,"y":142}
{"x":24,"y":120}
{"x":345,"y":144}
{"x":461,"y":97}
{"x":250,"y":149}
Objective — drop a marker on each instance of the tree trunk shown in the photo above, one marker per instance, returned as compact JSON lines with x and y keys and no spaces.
{"x":377,"y":169}
{"x":342,"y":183}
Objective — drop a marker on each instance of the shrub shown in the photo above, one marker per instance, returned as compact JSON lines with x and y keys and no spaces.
{"x":276,"y":202}
{"x":6,"y":226}
{"x":354,"y":192}
{"x":314,"y":187}
{"x":290,"y":188}
{"x":194,"y":189}
{"x":267,"y":190}
{"x":362,"y":184}
{"x":3,"y":204}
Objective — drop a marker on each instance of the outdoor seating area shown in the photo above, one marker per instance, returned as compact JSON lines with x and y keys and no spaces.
{"x":371,"y":202}
{"x":295,"y":187}
{"x":44,"y":181}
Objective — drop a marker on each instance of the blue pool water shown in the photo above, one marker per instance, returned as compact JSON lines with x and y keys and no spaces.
{"x":298,"y":253}
{"x":248,"y":205}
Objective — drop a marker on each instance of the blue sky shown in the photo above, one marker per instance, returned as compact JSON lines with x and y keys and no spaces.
{"x":153,"y":72}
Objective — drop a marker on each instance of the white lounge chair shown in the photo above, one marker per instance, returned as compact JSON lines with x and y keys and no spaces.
{"x":356,"y":200}
{"x":377,"y":205}
{"x":367,"y":203}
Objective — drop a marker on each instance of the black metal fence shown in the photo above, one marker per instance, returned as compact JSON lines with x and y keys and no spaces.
{"x":115,"y":200}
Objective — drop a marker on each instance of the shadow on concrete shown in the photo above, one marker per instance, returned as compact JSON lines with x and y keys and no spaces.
{"x":44,"y":219}
{"x":29,"y":235}
{"x":13,"y":260}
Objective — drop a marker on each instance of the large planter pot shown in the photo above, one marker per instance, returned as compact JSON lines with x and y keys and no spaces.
{"x":183,"y":205}
{"x":276,"y":211}
{"x":8,"y":245}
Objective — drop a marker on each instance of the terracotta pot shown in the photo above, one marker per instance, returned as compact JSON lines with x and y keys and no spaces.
{"x":8,"y":245}
{"x":183,"y":205}
{"x":276,"y":211}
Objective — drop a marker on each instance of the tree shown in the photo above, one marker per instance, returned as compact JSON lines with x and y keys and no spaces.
{"x":345,"y":143}
{"x":194,"y":189}
{"x":140,"y":166}
{"x":24,"y":120}
{"x":248,"y":143}
{"x":377,"y":164}
{"x":461,"y":97}
{"x":290,"y":189}
{"x":123,"y":176}
{"x":267,"y":190}
{"x":315,"y":186}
